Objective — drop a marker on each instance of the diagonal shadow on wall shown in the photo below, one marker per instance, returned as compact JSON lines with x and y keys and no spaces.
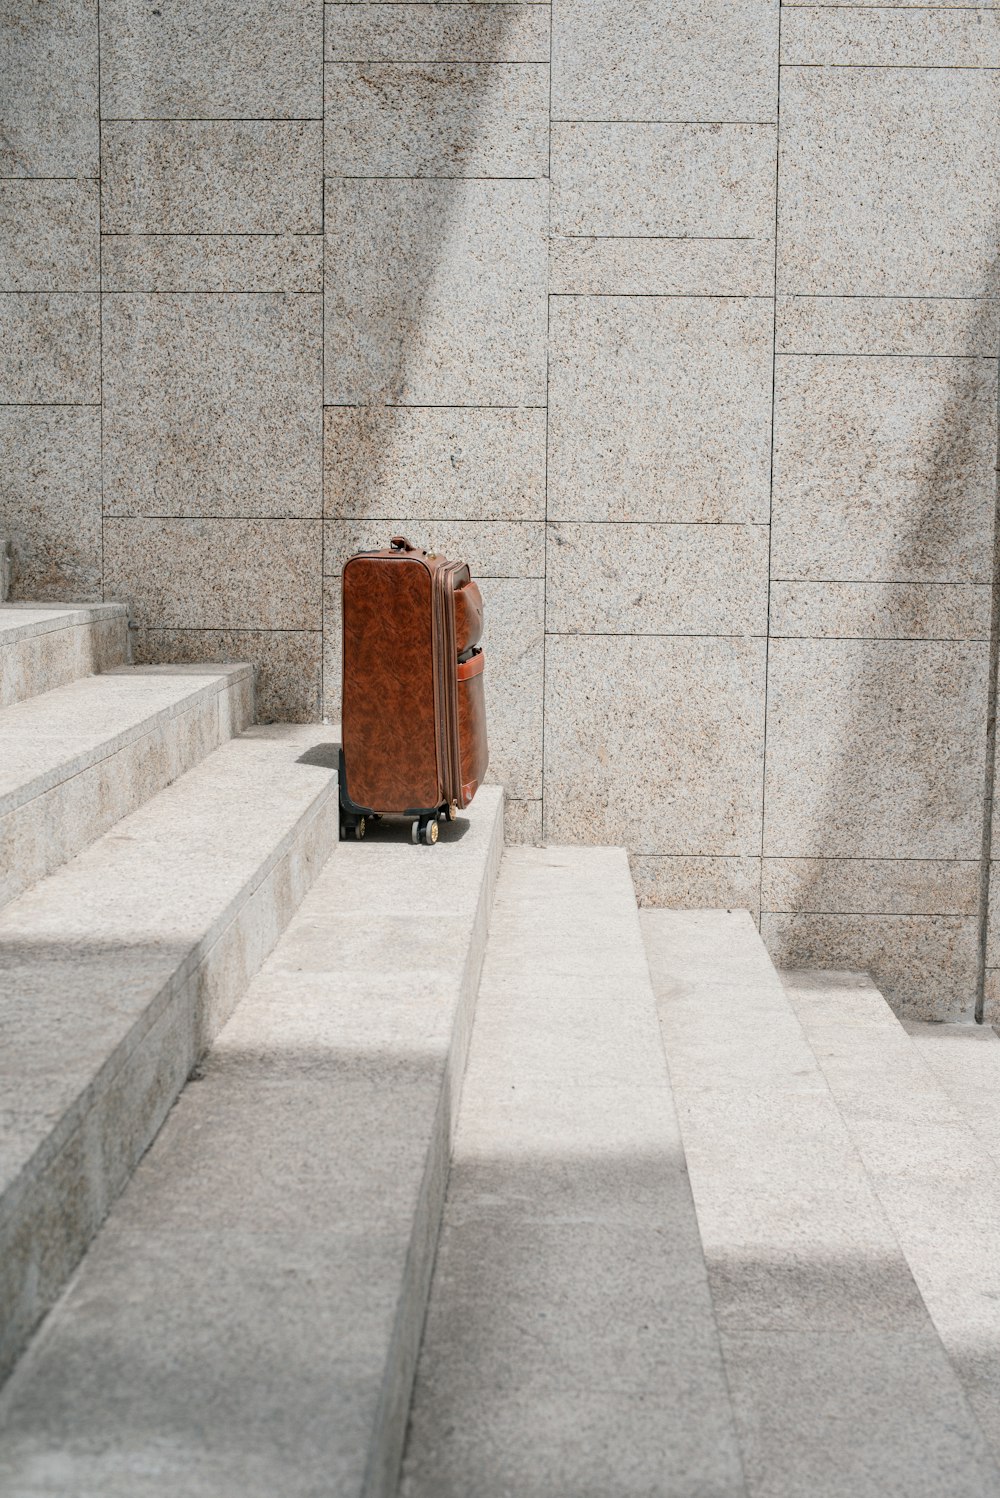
{"x":910,"y":776}
{"x":396,"y":233}
{"x":429,"y":284}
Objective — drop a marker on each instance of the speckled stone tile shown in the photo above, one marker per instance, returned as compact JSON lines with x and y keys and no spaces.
{"x":925,"y":965}
{"x":991,"y":998}
{"x":871,"y":886}
{"x":48,"y":236}
{"x":48,"y":90}
{"x":685,"y":882}
{"x":884,"y":469}
{"x":50,"y":347}
{"x":215,"y":574}
{"x":212,"y":176}
{"x":386,"y":119}
{"x":50,"y":499}
{"x":887,"y":183}
{"x":513,"y":641}
{"x":995,"y":821}
{"x":522,"y":822}
{"x":442,"y":33}
{"x":875,"y":749}
{"x":885,"y":4}
{"x":513,"y":644}
{"x":906,"y":38}
{"x":212,"y":262}
{"x":992,"y":954}
{"x":660,"y":408}
{"x":436,"y":292}
{"x":287,"y":664}
{"x":657,"y":579}
{"x":700,"y":60}
{"x":657,"y":743}
{"x":492,"y":548}
{"x":677,"y":180}
{"x":888,"y":325}
{"x":187,"y":60}
{"x":880,"y":611}
{"x":333,"y":658}
{"x":212,"y":405}
{"x":661,"y":267}
{"x":434,"y":463}
{"x":993,"y":917}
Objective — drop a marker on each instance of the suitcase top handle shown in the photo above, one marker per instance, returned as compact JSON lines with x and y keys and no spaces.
{"x":400,"y":543}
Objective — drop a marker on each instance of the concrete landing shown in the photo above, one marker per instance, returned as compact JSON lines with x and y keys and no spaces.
{"x":921,"y":1106}
{"x":840,"y":1382}
{"x":43,"y":646}
{"x":246,"y":1323}
{"x":570,"y":1347}
{"x":77,"y":759}
{"x":116,"y":972}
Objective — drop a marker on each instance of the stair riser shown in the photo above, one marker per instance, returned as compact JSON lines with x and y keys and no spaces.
{"x":39,"y":662}
{"x":50,"y":828}
{"x":49,"y":1216}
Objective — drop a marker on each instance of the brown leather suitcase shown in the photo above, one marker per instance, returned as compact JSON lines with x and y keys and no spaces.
{"x":413,"y":716}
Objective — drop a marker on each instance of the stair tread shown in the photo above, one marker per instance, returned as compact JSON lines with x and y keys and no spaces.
{"x":919,"y":1101}
{"x":570,"y":1345}
{"x":823,"y":1326}
{"x":52,"y":737}
{"x":269,"y":1260}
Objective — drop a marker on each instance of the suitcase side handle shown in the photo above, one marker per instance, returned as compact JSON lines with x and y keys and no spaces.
{"x":400,"y":543}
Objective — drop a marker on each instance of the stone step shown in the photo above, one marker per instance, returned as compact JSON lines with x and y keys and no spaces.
{"x":920,"y":1102}
{"x":77,"y":759}
{"x":839,"y":1379}
{"x":247,"y":1321}
{"x":45,"y":645}
{"x":570,"y":1346}
{"x":119,"y":968}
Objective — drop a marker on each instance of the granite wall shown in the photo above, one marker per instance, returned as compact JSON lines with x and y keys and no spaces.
{"x":679,"y":320}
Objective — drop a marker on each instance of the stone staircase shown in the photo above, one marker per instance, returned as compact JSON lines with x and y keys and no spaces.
{"x":689,"y":1227}
{"x":570,"y":1345}
{"x":248,"y":1318}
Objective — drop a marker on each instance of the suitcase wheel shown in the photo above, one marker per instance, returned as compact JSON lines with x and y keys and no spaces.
{"x":352,"y":827}
{"x":425,"y":831}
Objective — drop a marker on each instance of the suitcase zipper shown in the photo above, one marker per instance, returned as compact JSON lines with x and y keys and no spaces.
{"x":444,"y":579}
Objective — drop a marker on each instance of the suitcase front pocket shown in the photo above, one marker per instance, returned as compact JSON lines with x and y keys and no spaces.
{"x":473,"y":750}
{"x":468,"y":617}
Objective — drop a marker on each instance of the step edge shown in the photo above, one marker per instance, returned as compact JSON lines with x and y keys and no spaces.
{"x":87,"y":759}
{"x":70,"y":616}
